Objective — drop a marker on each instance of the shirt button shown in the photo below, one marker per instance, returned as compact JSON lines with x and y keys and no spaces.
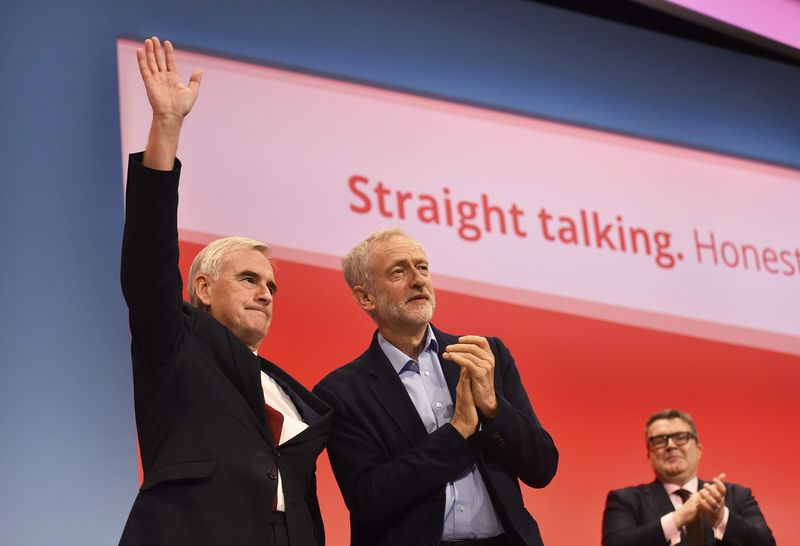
{"x":426,"y":373}
{"x":438,"y":404}
{"x":460,"y":508}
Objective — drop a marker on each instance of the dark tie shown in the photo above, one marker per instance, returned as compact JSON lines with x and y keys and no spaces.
{"x":275,"y":424}
{"x":694,"y":529}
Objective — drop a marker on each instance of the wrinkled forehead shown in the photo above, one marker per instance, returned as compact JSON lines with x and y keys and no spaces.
{"x":250,"y":259}
{"x":396,"y":248}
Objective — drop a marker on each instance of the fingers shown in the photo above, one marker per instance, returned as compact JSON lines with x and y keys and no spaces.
{"x":466,"y":360}
{"x":710,"y":495}
{"x":711,"y":505}
{"x":465,"y":416}
{"x":464,"y":388}
{"x":158,"y":53}
{"x":144,"y":70}
{"x":476,"y":345}
{"x":719,"y":481}
{"x":472,"y":350}
{"x":149,"y":50}
{"x":156,"y":57}
{"x":169,"y":55}
{"x":480,"y":341}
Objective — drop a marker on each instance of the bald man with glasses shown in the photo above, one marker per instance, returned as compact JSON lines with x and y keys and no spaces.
{"x":678,"y":508}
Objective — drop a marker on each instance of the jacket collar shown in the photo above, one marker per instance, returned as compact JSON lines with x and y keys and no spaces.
{"x":391,"y":393}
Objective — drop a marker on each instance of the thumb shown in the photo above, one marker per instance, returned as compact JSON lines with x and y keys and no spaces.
{"x":194,"y":80}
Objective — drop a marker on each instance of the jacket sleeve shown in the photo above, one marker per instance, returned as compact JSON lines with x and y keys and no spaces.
{"x":150,"y":277}
{"x":621,"y":526}
{"x":377,"y":486}
{"x":746,"y":524}
{"x":515,"y":437}
{"x":312,"y":502}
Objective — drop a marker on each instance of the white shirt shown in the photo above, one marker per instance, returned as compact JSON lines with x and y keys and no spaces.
{"x":293,"y":424}
{"x":671,"y":532}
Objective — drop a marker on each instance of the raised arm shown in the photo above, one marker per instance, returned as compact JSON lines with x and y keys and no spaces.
{"x":169,"y":98}
{"x":150,"y":276}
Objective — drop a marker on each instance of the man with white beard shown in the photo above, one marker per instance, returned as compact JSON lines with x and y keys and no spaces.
{"x":431,"y":432}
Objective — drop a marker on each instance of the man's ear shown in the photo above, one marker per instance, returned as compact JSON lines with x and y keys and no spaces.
{"x":202,"y":287}
{"x":363,"y":298}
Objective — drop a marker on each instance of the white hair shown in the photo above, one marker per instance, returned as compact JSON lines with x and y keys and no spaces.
{"x":355,"y":265}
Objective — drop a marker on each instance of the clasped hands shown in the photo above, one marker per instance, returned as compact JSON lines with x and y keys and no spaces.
{"x":708,"y":503}
{"x":475,"y":389}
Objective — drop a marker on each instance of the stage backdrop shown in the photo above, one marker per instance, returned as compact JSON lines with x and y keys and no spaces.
{"x":625,"y":275}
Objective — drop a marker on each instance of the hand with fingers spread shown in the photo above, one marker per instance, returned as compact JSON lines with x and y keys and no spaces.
{"x":465,"y":416}
{"x":475,"y":357}
{"x":169,"y":98}
{"x":712,"y":500}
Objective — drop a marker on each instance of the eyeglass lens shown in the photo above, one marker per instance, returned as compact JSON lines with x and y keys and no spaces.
{"x":678,"y":438}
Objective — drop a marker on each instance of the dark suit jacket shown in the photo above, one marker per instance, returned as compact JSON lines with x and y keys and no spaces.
{"x":208,"y":456}
{"x":632,"y":517}
{"x":392,"y":473}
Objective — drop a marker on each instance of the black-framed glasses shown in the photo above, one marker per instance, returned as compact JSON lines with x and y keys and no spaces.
{"x":678,"y":438}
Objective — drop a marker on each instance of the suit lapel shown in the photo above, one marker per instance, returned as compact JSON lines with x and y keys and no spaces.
{"x":249,"y":367}
{"x":392,"y":395}
{"x":656,"y":497}
{"x":237,"y":362}
{"x":450,"y":370}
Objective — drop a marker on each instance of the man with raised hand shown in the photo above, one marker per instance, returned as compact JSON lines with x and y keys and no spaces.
{"x":679,"y":508}
{"x":431,"y":432}
{"x":228,"y":440}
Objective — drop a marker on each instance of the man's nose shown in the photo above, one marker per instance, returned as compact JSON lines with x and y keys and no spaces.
{"x":263,"y":294}
{"x":417,"y":279}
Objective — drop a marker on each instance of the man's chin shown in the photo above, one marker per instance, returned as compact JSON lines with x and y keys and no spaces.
{"x":420,"y":316}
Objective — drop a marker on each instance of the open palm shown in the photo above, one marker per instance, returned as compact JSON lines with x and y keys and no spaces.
{"x":168,"y":95}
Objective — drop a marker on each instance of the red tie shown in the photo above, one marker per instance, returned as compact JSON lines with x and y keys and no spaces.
{"x":275,"y":424}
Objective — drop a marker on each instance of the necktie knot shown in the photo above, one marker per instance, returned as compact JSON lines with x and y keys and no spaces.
{"x":683,"y":494}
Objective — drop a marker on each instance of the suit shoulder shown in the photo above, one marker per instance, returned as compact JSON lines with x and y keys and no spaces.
{"x":738,"y":490}
{"x":343,"y":375}
{"x":630,"y":491}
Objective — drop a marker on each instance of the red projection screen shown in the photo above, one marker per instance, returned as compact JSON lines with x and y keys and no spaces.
{"x":625,"y":275}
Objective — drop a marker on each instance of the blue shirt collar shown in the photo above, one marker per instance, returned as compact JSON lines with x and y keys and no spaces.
{"x":398,"y":358}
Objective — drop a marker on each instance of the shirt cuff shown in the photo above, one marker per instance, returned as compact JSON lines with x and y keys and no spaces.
{"x":671,"y":533}
{"x":719,"y":531}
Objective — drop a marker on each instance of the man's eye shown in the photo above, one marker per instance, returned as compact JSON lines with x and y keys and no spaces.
{"x":250,"y":280}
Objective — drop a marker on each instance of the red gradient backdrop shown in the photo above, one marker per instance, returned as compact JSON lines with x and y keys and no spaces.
{"x":592,"y":383}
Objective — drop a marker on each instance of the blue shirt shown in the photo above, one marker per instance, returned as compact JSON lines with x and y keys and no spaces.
{"x":468,"y":510}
